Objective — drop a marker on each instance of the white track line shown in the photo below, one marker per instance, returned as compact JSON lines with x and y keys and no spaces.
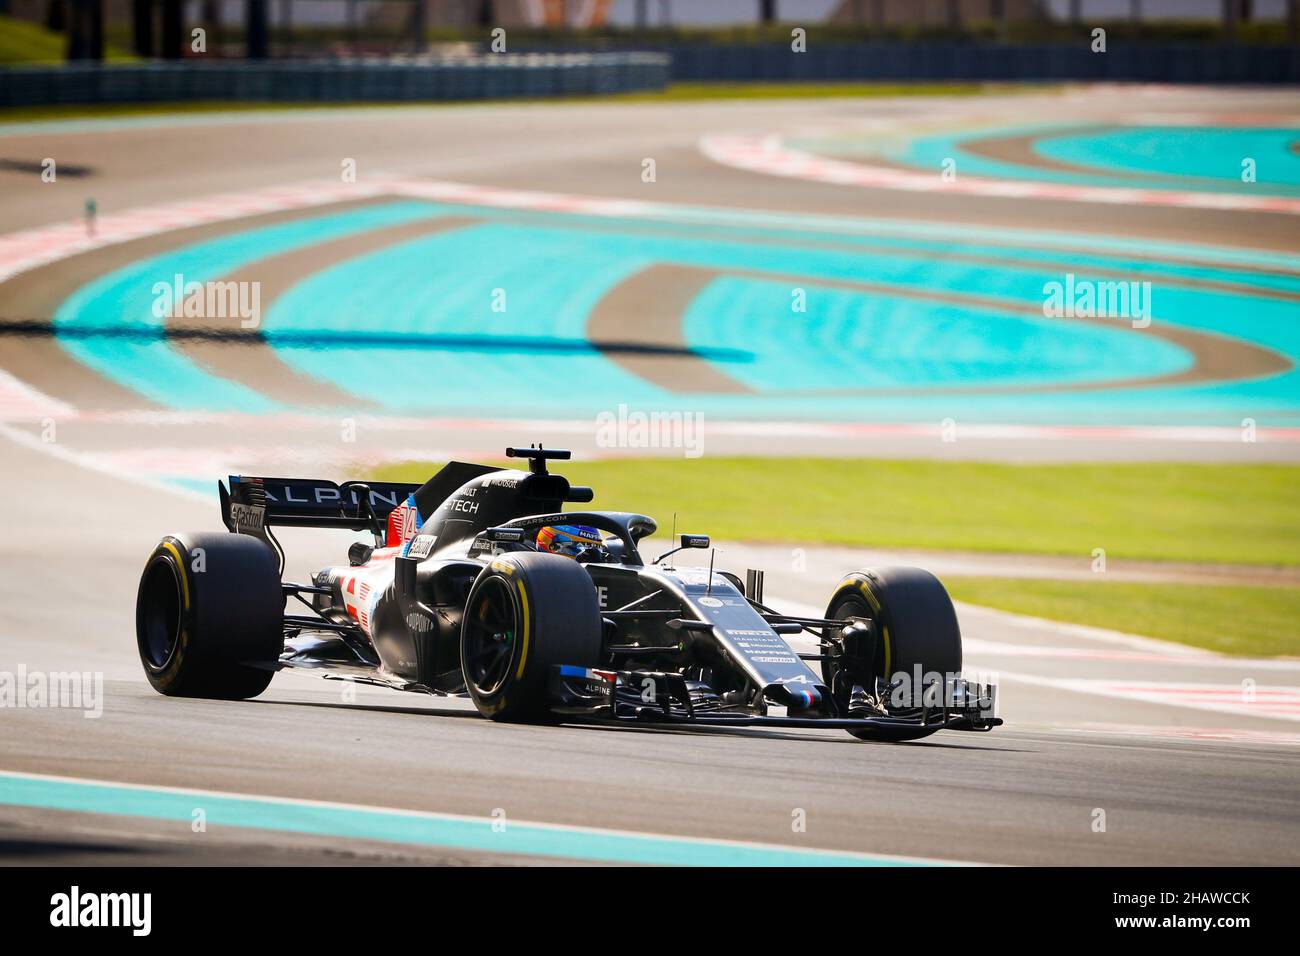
{"x":770,"y":155}
{"x":33,"y":406}
{"x":1269,"y":703}
{"x":1249,"y":700}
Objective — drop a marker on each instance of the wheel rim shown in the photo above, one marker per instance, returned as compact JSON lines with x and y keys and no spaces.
{"x":854,"y":607}
{"x":490,"y":637}
{"x":158,"y":625}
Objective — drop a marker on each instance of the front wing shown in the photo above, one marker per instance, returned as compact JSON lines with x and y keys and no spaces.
{"x":657,"y":697}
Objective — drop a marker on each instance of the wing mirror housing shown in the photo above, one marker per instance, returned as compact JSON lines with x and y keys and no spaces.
{"x":686,"y":541}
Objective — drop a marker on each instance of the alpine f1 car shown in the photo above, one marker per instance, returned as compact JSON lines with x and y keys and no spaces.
{"x":478,"y":583}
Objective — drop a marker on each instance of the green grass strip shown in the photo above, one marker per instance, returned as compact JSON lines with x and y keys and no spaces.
{"x":1249,"y":621}
{"x":1240,"y":514}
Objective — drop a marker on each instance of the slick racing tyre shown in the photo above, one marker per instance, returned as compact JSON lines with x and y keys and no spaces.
{"x":526,"y":613}
{"x":208,"y":605}
{"x":915,"y":624}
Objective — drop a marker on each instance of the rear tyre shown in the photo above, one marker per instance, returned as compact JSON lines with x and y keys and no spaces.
{"x":915,"y":624}
{"x":207,"y":607}
{"x":526,"y":613}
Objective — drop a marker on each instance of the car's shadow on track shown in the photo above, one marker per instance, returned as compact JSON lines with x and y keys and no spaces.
{"x":56,"y":849}
{"x":760,"y":733}
{"x":375,"y":708}
{"x":754,"y":733}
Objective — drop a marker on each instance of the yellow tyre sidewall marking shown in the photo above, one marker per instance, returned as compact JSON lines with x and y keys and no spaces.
{"x":180,"y":567}
{"x":865,"y":588}
{"x":523,"y":655}
{"x":183,"y":638}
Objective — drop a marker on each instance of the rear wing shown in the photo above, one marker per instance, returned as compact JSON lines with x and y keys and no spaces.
{"x":252,"y":505}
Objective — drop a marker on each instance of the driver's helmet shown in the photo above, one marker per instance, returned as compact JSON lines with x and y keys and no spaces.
{"x":573,"y":541}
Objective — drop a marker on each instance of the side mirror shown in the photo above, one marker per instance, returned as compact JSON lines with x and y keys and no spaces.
{"x":687,"y":541}
{"x":504,"y":534}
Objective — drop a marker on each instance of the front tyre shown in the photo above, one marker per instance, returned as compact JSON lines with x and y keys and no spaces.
{"x":208,"y":609}
{"x":915,"y":626}
{"x":526,"y":612}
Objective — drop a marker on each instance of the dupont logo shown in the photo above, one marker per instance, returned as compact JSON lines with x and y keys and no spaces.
{"x":122,"y":910}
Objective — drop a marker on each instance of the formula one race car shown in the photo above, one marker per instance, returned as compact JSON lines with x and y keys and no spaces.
{"x":478,"y":583}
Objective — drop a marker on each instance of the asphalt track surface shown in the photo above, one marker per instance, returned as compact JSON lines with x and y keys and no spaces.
{"x":1191,"y":757}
